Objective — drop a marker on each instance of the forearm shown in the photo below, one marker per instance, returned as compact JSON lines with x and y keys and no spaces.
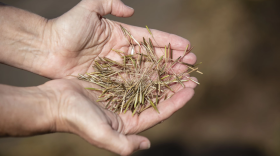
{"x":24,"y":111}
{"x":21,"y":38}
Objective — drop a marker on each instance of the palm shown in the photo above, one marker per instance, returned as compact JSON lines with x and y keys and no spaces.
{"x":76,"y":49}
{"x":77,"y":38}
{"x":80,"y":108}
{"x":78,"y":113}
{"x":80,"y":35}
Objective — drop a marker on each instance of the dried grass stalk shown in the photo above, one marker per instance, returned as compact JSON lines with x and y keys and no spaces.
{"x":140,"y":80}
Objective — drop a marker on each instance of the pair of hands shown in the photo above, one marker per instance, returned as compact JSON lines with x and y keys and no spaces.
{"x":70,"y":43}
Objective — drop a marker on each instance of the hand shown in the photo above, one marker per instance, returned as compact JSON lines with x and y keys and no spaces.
{"x":69,"y":46}
{"x":75,"y":110}
{"x":76,"y":38}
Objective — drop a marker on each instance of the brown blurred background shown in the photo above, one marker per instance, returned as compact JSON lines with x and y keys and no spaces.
{"x":236,"y":109}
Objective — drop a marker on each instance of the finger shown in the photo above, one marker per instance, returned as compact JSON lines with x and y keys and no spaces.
{"x":189,"y":84}
{"x":118,"y":8}
{"x":178,"y":67}
{"x":166,"y":108}
{"x":104,"y":7}
{"x":120,"y":143}
{"x":177,"y":87}
{"x":162,"y":39}
{"x":189,"y":58}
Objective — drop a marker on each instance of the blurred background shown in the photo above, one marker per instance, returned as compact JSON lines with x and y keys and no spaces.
{"x":236,"y":109}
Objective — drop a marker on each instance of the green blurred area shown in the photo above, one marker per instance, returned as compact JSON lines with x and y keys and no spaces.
{"x":235,"y":109}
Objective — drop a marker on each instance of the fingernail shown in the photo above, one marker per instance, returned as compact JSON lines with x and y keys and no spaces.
{"x":145,"y":145}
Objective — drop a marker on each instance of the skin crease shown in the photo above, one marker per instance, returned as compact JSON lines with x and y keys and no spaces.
{"x":76,"y":38}
{"x":70,"y":44}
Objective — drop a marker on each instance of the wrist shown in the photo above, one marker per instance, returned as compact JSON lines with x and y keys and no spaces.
{"x":52,"y":106}
{"x":21,"y":38}
{"x":24,"y":111}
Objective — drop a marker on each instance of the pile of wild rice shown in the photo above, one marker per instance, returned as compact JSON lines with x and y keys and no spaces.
{"x":140,"y":80}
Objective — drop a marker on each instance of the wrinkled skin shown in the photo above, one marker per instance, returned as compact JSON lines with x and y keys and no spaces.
{"x":71,"y":43}
{"x":76,"y":111}
{"x":75,"y":40}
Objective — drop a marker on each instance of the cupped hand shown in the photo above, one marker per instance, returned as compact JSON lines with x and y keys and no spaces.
{"x":75,"y":110}
{"x":74,"y":41}
{"x":77,"y":37}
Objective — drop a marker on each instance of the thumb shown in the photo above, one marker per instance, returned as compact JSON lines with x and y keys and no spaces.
{"x":118,"y":8}
{"x":120,"y":143}
{"x":104,"y":7}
